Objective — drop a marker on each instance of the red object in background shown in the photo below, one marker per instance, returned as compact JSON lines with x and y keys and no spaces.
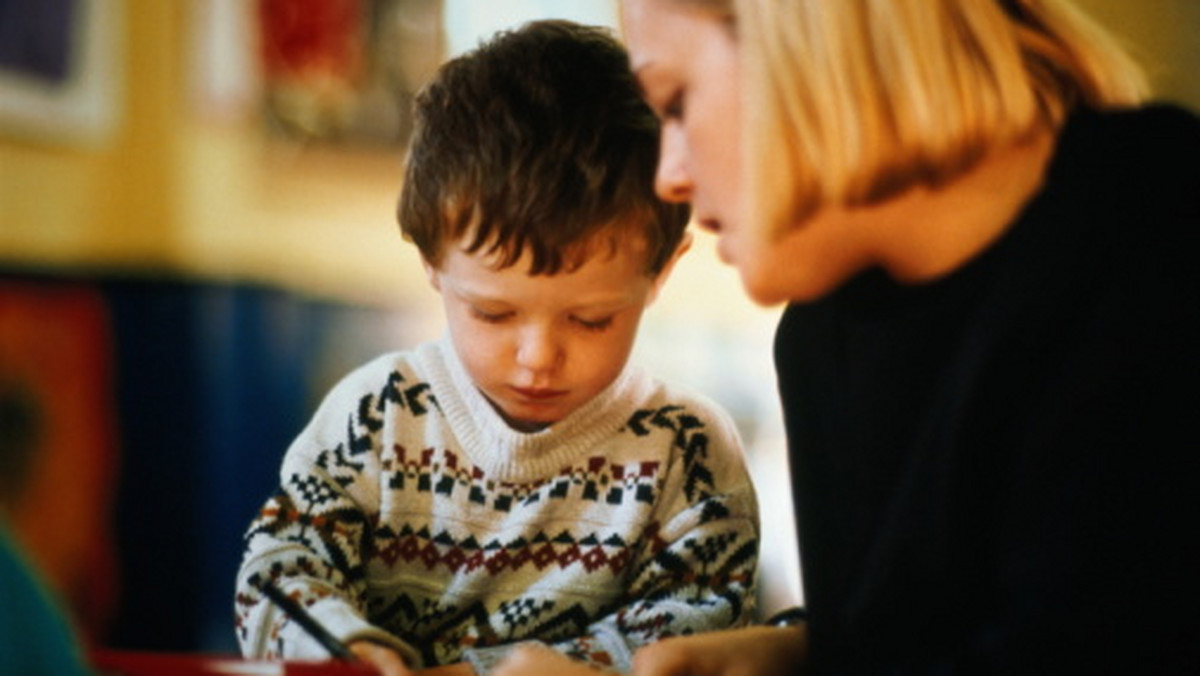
{"x":121,"y":663}
{"x":56,"y":344}
{"x":311,"y":39}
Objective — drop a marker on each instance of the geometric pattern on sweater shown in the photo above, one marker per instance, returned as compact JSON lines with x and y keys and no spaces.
{"x":442,"y":472}
{"x":386,"y":527}
{"x":446,"y":625}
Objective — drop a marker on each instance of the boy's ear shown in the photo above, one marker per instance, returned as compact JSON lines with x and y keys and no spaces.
{"x":431,"y":273}
{"x":685,"y":243}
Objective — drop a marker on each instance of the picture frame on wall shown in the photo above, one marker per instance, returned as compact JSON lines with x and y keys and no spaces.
{"x":61,"y":73}
{"x":344,"y":72}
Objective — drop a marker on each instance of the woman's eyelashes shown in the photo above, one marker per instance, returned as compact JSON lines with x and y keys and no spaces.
{"x":673,"y":109}
{"x":665,"y":107}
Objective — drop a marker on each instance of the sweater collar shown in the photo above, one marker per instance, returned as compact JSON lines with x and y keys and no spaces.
{"x":510,"y":455}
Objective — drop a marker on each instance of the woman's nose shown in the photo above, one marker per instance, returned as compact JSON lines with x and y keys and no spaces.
{"x":672,"y":182}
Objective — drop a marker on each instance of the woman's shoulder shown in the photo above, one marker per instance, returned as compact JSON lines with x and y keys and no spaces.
{"x":1126,"y":177}
{"x":1165,"y":122}
{"x":1153,"y":146}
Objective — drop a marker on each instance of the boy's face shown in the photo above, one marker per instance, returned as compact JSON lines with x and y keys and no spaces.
{"x":540,"y":347}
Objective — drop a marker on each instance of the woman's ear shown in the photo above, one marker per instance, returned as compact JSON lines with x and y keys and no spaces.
{"x":685,"y":243}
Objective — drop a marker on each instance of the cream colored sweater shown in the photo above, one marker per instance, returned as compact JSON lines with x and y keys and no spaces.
{"x":410,"y":513}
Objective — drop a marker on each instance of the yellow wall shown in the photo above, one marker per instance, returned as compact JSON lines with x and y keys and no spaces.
{"x":1164,"y":36}
{"x":112,"y":204}
{"x":173,"y":189}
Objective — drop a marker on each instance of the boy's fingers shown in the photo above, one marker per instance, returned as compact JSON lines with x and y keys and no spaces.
{"x":385,"y":660}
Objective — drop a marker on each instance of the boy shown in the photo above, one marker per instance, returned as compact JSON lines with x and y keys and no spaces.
{"x":516,"y":481}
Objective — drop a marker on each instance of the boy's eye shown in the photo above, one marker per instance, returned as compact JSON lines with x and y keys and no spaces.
{"x":594,"y":324}
{"x":489,"y":317}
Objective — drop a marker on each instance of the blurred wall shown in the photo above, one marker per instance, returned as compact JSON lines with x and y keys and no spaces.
{"x":184,"y":185}
{"x":1164,"y":36}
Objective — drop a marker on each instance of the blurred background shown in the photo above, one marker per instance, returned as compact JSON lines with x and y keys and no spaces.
{"x":197,"y":239}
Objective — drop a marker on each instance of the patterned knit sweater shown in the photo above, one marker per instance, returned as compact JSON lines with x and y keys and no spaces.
{"x":409,"y":513}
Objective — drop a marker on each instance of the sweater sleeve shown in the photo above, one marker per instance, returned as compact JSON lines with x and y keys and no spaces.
{"x":308,"y":537}
{"x":695,"y":566}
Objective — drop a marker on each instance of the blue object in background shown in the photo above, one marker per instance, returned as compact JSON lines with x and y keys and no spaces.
{"x":35,"y":636}
{"x":213,"y":381}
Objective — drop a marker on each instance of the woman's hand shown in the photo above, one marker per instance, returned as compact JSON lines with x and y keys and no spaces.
{"x":385,"y":660}
{"x":752,"y":651}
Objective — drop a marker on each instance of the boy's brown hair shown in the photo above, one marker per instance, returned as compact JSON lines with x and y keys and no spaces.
{"x":538,"y":140}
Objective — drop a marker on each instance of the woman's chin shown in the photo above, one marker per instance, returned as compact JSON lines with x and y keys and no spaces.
{"x":763,"y":289}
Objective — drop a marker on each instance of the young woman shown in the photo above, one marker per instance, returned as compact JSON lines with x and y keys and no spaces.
{"x":987,"y":367}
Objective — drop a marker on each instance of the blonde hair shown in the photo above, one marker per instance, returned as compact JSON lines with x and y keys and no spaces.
{"x":849,"y":102}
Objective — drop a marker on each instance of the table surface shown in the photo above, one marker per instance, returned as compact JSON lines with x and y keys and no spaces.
{"x":136,"y":663}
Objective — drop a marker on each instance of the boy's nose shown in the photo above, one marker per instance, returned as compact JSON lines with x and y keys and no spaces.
{"x":538,"y":350}
{"x":672,"y":182}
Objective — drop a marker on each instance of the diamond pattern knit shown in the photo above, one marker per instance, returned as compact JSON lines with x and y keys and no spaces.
{"x":409,"y":513}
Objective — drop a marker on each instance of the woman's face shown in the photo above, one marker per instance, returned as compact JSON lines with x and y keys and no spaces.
{"x":686,"y":61}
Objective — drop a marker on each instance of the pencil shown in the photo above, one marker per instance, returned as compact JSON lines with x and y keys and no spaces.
{"x":306,"y":621}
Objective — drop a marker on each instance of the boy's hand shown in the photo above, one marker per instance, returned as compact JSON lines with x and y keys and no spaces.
{"x":532,"y":660}
{"x":456,"y":669}
{"x":385,"y":660}
{"x":750,"y":651}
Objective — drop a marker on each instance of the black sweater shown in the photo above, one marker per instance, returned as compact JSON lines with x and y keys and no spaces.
{"x":997,"y":471}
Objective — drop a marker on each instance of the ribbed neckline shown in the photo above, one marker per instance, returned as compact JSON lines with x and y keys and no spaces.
{"x":510,"y":455}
